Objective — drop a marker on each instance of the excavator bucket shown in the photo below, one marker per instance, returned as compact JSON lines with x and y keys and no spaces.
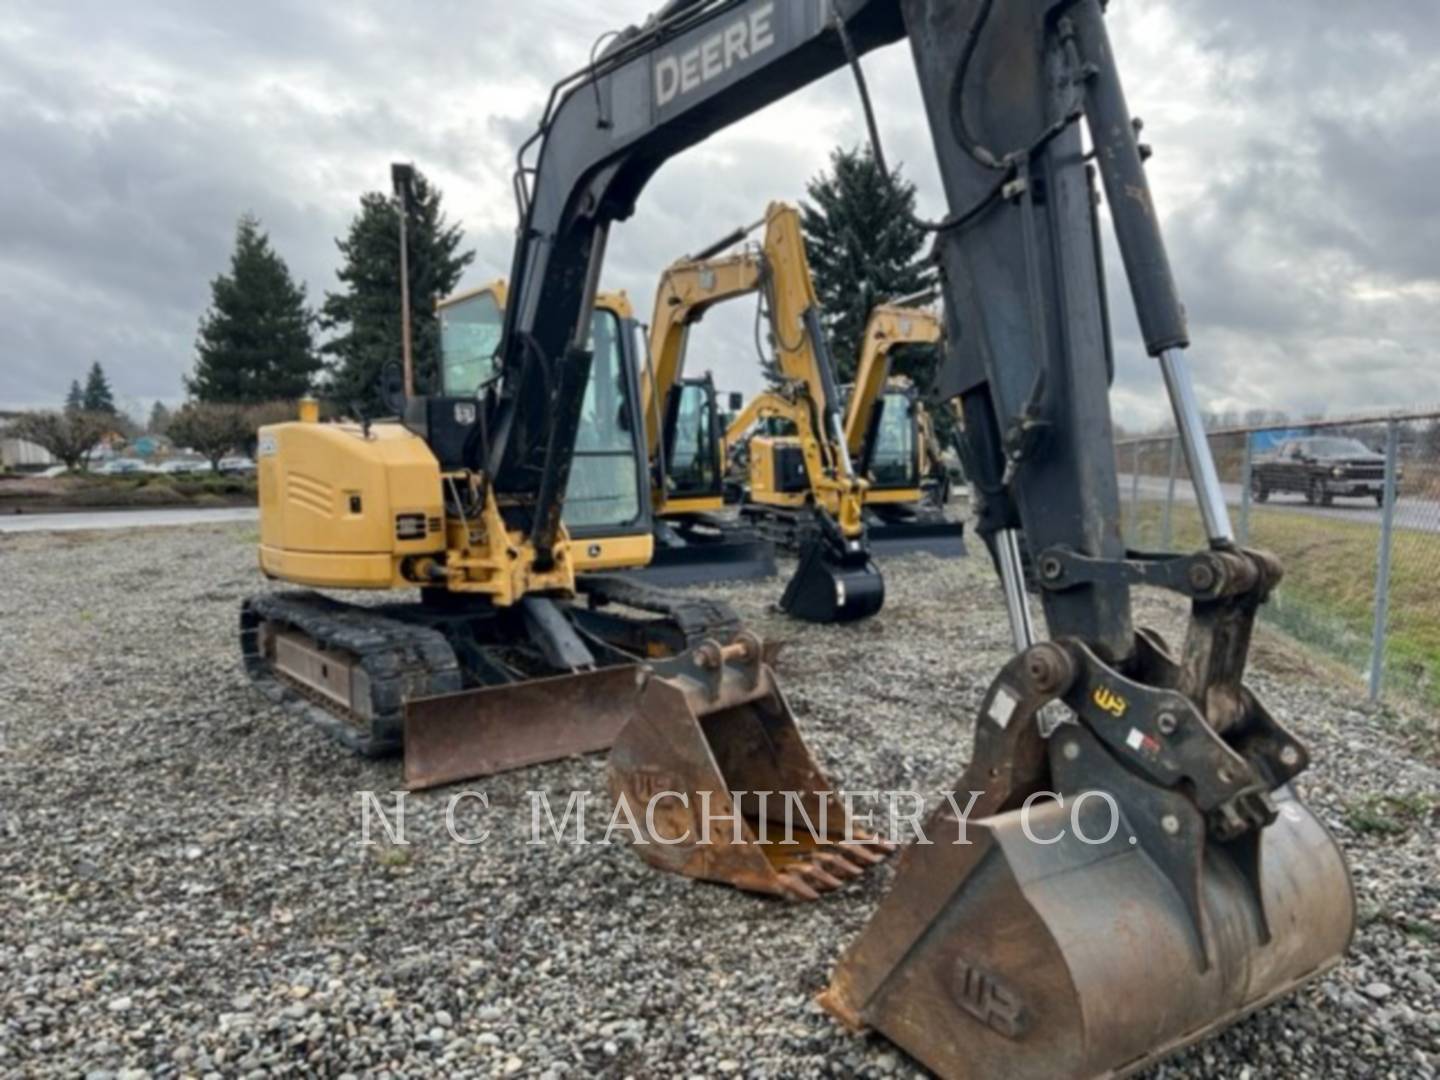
{"x":1089,"y":936}
{"x":835,"y":581}
{"x":715,"y":767}
{"x":454,"y":737}
{"x":1051,"y":957}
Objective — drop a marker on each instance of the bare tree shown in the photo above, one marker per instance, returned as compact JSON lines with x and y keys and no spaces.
{"x":70,"y":436}
{"x":211,"y":429}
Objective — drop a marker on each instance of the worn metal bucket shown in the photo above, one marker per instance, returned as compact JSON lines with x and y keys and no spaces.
{"x":1044,"y":955}
{"x":830,"y":586}
{"x":473,"y":733}
{"x":715,"y":767}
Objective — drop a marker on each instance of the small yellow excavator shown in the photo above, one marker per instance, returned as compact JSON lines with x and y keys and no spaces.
{"x":891,"y":436}
{"x":836,"y":580}
{"x":504,"y":662}
{"x":695,"y":541}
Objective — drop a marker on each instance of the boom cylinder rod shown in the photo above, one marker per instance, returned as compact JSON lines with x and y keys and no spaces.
{"x":1203,"y":475}
{"x":1012,"y":581}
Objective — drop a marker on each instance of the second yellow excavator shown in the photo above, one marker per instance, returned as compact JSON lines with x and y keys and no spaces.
{"x":836,"y":581}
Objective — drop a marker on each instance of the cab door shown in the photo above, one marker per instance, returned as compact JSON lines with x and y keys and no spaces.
{"x":691,"y":442}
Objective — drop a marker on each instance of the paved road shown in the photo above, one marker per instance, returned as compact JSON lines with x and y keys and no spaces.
{"x":124,"y":519}
{"x":1421,"y":515}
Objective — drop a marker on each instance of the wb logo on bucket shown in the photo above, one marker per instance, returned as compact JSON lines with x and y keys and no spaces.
{"x":681,"y":72}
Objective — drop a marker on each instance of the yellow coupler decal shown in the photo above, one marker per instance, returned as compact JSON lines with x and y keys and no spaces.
{"x":1110,"y":701}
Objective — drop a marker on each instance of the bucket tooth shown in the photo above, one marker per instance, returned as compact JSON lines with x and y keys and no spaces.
{"x":838,"y":865}
{"x":794,"y":887}
{"x":868,"y":852}
{"x":714,"y":758}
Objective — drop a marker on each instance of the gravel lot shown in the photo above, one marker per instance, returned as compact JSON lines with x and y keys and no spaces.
{"x":183,"y":891}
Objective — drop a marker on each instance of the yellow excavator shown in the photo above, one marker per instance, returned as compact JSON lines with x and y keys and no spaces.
{"x":695,"y":541}
{"x":891,"y":435}
{"x":836,"y":580}
{"x":503,"y":662}
{"x":1119,"y":884}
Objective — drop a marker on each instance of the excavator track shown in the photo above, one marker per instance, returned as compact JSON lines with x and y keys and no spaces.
{"x":350,"y":669}
{"x":347,"y":668}
{"x":789,"y":530}
{"x":684,"y":621}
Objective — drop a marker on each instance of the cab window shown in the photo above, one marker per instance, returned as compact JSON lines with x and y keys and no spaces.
{"x":605,"y":477}
{"x":469,"y":337}
{"x":893,"y":462}
{"x":691,"y":458}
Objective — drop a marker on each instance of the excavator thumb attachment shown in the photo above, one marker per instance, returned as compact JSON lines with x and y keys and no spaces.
{"x":715,"y":768}
{"x":836,"y":580}
{"x":454,"y":737}
{"x":1092,"y":935}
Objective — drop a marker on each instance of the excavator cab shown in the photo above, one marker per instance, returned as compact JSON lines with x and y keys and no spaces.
{"x":692,"y":441}
{"x":607,"y":505}
{"x":891,"y":457}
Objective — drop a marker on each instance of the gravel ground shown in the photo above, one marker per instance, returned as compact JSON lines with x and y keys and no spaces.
{"x":183,"y":890}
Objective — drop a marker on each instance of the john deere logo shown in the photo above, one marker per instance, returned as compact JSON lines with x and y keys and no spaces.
{"x":1110,"y":701}
{"x":682,"y":72}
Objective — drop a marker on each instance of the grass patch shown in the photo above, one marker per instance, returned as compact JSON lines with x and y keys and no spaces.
{"x":1327,"y":599}
{"x":91,"y":491}
{"x":393,"y":858}
{"x":1389,"y":815}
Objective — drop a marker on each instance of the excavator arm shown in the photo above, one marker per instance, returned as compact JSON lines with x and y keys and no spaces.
{"x":688,"y":289}
{"x":658,"y":89}
{"x":888,"y":326}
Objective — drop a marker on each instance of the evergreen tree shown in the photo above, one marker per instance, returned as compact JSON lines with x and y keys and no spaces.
{"x":98,"y":397}
{"x":864,"y":249}
{"x":75,"y":399}
{"x":159,"y":419}
{"x":366,"y":315}
{"x":256,"y":341}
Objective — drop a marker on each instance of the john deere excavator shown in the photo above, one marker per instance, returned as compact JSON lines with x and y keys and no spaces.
{"x":504,"y":663}
{"x":1096,"y":950}
{"x":1137,"y":874}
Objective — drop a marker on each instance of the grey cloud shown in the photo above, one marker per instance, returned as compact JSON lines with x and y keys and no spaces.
{"x":132,"y":153}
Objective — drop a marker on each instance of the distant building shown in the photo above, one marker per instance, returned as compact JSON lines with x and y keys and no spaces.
{"x":21,"y":453}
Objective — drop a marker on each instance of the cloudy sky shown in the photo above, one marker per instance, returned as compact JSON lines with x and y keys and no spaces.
{"x":1297,"y":152}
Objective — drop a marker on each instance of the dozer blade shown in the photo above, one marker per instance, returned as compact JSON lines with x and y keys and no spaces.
{"x":943,"y":539}
{"x":831,"y":587}
{"x":715,"y":767}
{"x":707,"y":563}
{"x":473,"y":733}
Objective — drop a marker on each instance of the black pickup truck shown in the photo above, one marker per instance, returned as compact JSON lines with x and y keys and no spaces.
{"x":1320,"y":468}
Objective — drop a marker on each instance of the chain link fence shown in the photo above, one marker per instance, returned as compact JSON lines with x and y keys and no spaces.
{"x":1351,"y":507}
